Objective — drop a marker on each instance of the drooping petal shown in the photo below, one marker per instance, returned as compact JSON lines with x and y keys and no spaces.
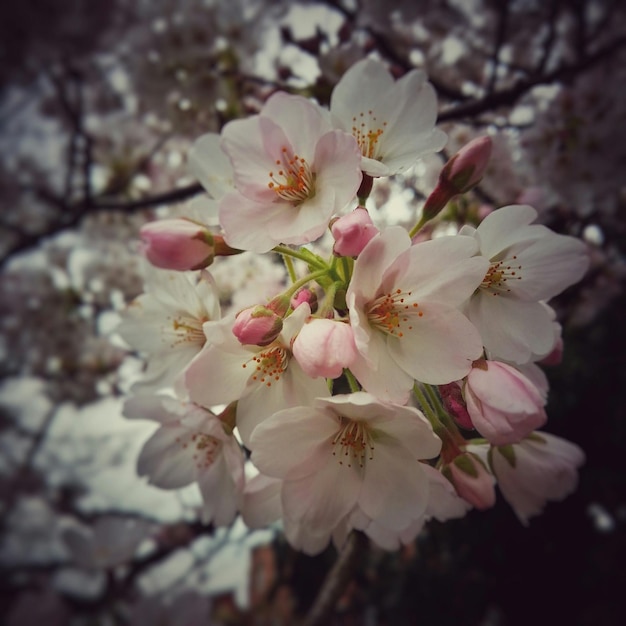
{"x":395,"y":490}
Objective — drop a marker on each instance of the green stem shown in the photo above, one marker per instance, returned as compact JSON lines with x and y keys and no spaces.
{"x":303,"y":281}
{"x":418,"y":226}
{"x":307,"y":257}
{"x":290,"y":268}
{"x":347,"y":264}
{"x":428,"y":410}
{"x":352,"y":381}
{"x":327,"y":309}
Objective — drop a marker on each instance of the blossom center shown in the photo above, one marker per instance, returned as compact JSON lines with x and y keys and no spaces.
{"x":293,"y":180}
{"x":367,"y":130}
{"x":206,"y":449}
{"x":394,"y":313}
{"x":499,"y":276}
{"x":188,"y":330}
{"x":353,"y":443}
{"x":269,"y":365}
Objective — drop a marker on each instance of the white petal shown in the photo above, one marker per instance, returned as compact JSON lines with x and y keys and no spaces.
{"x":439,"y":348}
{"x":395,"y":490}
{"x":284,"y":442}
{"x":210,"y":165}
{"x":511,"y":330}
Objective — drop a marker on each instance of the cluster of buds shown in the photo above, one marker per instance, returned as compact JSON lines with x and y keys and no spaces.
{"x":395,"y":378}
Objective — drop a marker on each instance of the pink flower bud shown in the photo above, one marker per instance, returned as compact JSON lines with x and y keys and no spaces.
{"x":462,"y":172}
{"x":465,"y":169}
{"x":304,"y":295}
{"x":177,"y":244}
{"x":452,"y":397}
{"x":352,"y":232}
{"x":324,"y":348}
{"x":505,"y":406}
{"x":472,"y":481}
{"x":257,"y":325}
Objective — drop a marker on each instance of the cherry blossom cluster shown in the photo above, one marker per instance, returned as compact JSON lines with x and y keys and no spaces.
{"x":395,"y":378}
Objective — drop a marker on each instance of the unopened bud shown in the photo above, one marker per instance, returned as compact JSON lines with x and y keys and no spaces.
{"x":472,"y":480}
{"x":177,"y":244}
{"x":460,"y":174}
{"x":454,"y":403}
{"x":465,"y":169}
{"x":304,"y":295}
{"x":257,"y":325}
{"x":352,"y":232}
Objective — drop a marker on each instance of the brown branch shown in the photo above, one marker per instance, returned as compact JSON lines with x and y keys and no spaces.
{"x":508,"y":97}
{"x":72,"y":214}
{"x":337,"y":579}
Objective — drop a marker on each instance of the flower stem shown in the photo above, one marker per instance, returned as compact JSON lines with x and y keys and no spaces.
{"x":304,"y":280}
{"x":302,"y":254}
{"x":428,"y":410}
{"x":290,"y":268}
{"x":352,"y":381}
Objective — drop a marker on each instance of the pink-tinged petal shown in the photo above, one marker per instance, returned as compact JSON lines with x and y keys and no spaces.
{"x":302,"y":224}
{"x":216,"y":376}
{"x":246,"y":222}
{"x":152,"y":407}
{"x":549,"y":265}
{"x":413,"y":431}
{"x":381,"y":375}
{"x":444,"y":503}
{"x":324,"y":348}
{"x":338,"y":166}
{"x":261,"y":501}
{"x":443,"y":270}
{"x":245,"y":142}
{"x":302,"y":121}
{"x":395,"y":490}
{"x":220,"y":497}
{"x":438,"y":347}
{"x":284,"y":442}
{"x":261,"y":400}
{"x":502,"y":228}
{"x":308,"y":539}
{"x":322,"y":499}
{"x":211,"y":166}
{"x":167,"y":458}
{"x":365,"y":83}
{"x":379,"y":257}
{"x":511,"y":330}
{"x":545,"y":469}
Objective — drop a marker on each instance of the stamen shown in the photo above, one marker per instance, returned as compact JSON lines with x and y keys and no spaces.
{"x":352,"y":444}
{"x":269,"y":365}
{"x":367,"y":130}
{"x":499,"y":274}
{"x":188,"y":329}
{"x":394,"y":313}
{"x":293,"y":181}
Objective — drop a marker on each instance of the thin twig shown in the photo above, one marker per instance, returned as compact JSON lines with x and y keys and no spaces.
{"x":337,"y":580}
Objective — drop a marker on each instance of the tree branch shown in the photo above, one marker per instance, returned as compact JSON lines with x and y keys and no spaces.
{"x":337,"y":579}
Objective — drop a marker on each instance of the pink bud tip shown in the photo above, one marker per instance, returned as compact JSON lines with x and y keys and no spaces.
{"x":177,"y":244}
{"x":465,"y":169}
{"x":352,"y":232}
{"x":257,"y":326}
